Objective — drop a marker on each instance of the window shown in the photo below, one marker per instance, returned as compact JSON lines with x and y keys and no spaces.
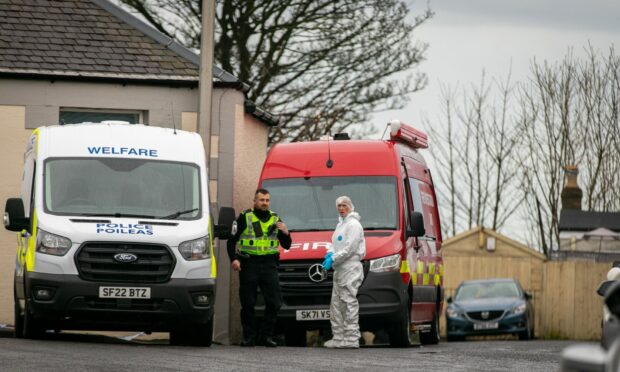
{"x":309,"y":204}
{"x":120,"y":186}
{"x":75,"y":115}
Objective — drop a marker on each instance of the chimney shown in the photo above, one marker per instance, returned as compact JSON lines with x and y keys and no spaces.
{"x":571,"y":194}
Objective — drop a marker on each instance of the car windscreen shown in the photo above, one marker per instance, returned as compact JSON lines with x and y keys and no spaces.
{"x":309,"y":204}
{"x":483,"y":290}
{"x":122,"y":187}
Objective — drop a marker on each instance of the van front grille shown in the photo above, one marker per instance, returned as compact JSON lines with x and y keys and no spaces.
{"x":153,"y":264}
{"x":297,"y":287}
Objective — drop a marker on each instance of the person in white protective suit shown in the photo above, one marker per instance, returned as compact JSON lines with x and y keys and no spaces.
{"x":348,"y":249}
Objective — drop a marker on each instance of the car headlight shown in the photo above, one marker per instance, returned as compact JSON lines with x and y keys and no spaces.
{"x":53,"y":244}
{"x":451,"y":313}
{"x":387,"y":263}
{"x":519,"y":309}
{"x":198,"y":249}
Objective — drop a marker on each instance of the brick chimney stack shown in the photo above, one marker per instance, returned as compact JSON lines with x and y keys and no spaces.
{"x":571,"y":194}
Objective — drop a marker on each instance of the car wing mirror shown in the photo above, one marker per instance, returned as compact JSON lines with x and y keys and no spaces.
{"x":449,"y":300}
{"x":527,"y":295}
{"x":223,"y":229}
{"x":14,"y":216}
{"x":612,"y":298}
{"x":602,"y":289}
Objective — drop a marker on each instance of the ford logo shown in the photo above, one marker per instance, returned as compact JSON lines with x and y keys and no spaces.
{"x":125,"y":257}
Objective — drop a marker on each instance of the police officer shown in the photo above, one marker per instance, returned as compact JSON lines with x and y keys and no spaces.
{"x":253,"y":252}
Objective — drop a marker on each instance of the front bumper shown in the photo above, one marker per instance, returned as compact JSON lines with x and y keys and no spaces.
{"x":76,"y":304}
{"x":382,"y":298}
{"x":510,"y":324}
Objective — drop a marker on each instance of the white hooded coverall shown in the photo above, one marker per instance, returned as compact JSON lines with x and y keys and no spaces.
{"x":349,"y":249}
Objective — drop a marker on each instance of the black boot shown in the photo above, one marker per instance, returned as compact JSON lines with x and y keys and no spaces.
{"x":247,"y":342}
{"x":269,"y":342}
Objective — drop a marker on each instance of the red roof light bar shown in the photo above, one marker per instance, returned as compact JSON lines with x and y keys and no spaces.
{"x":402,"y":132}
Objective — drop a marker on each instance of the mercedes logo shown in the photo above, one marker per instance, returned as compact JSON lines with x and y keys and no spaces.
{"x":316,"y":273}
{"x":484,"y":315}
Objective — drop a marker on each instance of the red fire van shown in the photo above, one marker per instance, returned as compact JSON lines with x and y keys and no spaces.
{"x":392,"y":189}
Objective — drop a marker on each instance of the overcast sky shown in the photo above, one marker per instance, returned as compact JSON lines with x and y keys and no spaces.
{"x":467,"y":36}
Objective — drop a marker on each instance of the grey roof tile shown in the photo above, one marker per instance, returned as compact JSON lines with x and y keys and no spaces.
{"x":73,"y":36}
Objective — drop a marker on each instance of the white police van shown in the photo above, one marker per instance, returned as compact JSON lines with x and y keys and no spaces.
{"x":114,"y":232}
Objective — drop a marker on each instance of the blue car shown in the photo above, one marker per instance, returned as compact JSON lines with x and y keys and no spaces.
{"x":489,"y":307}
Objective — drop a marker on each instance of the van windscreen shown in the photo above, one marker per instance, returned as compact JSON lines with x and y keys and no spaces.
{"x":309,"y":204}
{"x":122,"y":187}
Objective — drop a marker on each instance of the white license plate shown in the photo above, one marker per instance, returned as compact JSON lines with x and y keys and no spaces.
{"x":124,"y":292}
{"x":482,"y":326}
{"x":312,"y":315}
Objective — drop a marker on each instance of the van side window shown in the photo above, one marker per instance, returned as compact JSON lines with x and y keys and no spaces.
{"x":32,"y":194}
{"x":423,"y":202}
{"x":27,"y":185}
{"x":406,"y":203}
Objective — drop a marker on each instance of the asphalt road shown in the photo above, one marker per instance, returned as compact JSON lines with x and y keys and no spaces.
{"x":77,"y":352}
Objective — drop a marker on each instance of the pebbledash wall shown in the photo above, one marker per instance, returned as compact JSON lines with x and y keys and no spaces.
{"x":238,"y":149}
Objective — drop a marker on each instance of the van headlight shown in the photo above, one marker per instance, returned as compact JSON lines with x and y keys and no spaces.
{"x":197,"y":249}
{"x":53,"y":244}
{"x":387,"y":263}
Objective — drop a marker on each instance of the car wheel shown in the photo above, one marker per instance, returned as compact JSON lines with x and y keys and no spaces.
{"x":453,"y":338}
{"x":201,"y":335}
{"x":432,"y":337}
{"x":527,"y":334}
{"x":400,"y":333}
{"x":18,"y":317}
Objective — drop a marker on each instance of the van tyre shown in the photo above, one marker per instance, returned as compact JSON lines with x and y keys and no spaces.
{"x":400,"y":333}
{"x":200,"y":335}
{"x":431,"y":337}
{"x":32,"y":327}
{"x":18,"y":317}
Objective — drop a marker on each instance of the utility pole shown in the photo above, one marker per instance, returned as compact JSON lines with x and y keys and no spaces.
{"x":206,"y":75}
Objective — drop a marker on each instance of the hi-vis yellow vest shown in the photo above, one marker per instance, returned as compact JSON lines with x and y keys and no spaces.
{"x":259,"y":238}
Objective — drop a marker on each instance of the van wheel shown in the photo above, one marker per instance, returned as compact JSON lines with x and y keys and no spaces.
{"x":201,"y":335}
{"x":32,"y":328}
{"x":295,"y":337}
{"x":400,"y":333}
{"x":18,"y":317}
{"x":431,"y":337}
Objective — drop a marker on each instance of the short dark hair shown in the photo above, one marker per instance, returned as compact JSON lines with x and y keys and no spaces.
{"x":261,"y":191}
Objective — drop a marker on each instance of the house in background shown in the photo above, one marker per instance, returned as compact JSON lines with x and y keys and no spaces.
{"x":585,"y":235}
{"x":68,"y":61}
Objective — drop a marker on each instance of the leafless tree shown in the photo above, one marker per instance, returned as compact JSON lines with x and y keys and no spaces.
{"x":474,"y":151}
{"x":570,"y":116}
{"x":307,"y":60}
{"x":502,"y":152}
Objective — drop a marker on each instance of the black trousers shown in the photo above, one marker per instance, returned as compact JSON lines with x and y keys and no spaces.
{"x":259,"y":271}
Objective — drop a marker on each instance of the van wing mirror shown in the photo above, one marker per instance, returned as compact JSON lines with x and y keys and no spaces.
{"x":14,"y":216}
{"x":223,"y":229}
{"x":417,"y":225}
